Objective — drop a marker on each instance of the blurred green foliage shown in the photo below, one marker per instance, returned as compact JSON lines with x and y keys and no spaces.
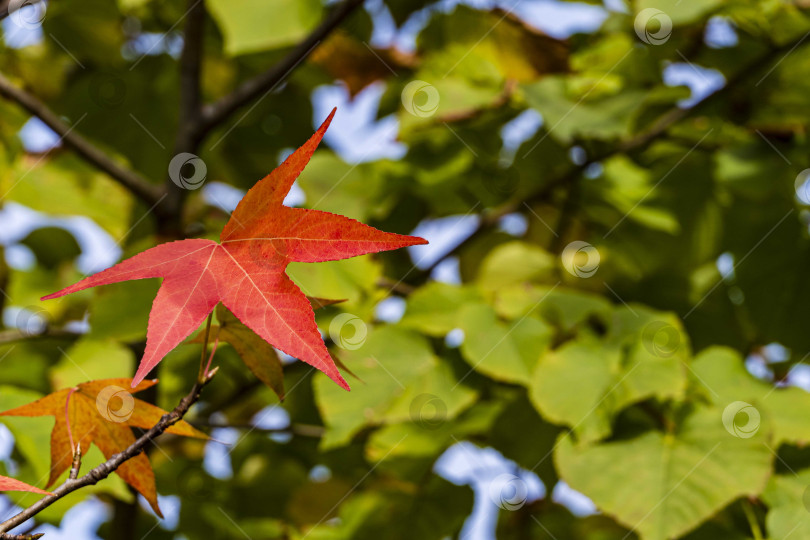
{"x":610,"y":346}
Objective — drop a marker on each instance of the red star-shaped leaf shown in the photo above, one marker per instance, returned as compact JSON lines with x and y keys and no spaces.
{"x":246,"y":270}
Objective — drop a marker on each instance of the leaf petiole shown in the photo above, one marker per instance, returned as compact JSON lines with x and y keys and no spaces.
{"x":750,"y":515}
{"x":67,"y":419}
{"x":202,"y":375}
{"x":77,"y":462}
{"x":213,"y":350}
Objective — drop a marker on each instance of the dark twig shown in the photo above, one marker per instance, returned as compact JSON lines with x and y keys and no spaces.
{"x":4,"y":536}
{"x":131,"y":180}
{"x":402,"y":289}
{"x":216,"y":113}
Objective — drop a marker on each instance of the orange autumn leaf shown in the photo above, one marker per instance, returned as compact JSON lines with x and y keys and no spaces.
{"x":102,"y":413}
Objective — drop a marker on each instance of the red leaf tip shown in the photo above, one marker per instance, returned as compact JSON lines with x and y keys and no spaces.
{"x":326,"y":123}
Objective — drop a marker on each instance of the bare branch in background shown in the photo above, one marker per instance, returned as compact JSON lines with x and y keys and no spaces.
{"x":218,"y":112}
{"x":190,"y":69}
{"x":188,"y":133}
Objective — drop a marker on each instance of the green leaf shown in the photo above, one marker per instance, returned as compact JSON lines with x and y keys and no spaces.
{"x":576,"y":385}
{"x":107,"y":100}
{"x":631,"y":191}
{"x":680,"y":12}
{"x":553,"y":520}
{"x":434,"y":309}
{"x":788,"y":499}
{"x":521,"y":435}
{"x":573,"y":116}
{"x":721,"y":373}
{"x":25,"y":365}
{"x":258,"y":25}
{"x":663,"y":485}
{"x":432,"y":511}
{"x":89,"y":30}
{"x":563,"y":307}
{"x":109,"y":320}
{"x":505,"y":352}
{"x":360,"y":186}
{"x":430,"y":432}
{"x":586,"y":382}
{"x":402,"y":9}
{"x":31,"y":435}
{"x":27,"y":287}
{"x":398,"y":370}
{"x":52,"y":246}
{"x":354,"y":279}
{"x":515,"y":50}
{"x":515,"y":263}
{"x":89,"y":360}
{"x":65,"y":185}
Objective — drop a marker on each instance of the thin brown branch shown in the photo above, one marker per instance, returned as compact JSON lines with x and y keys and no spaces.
{"x":4,"y":536}
{"x":216,"y":113}
{"x":402,"y":289}
{"x":135,"y":183}
{"x":108,"y":467}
